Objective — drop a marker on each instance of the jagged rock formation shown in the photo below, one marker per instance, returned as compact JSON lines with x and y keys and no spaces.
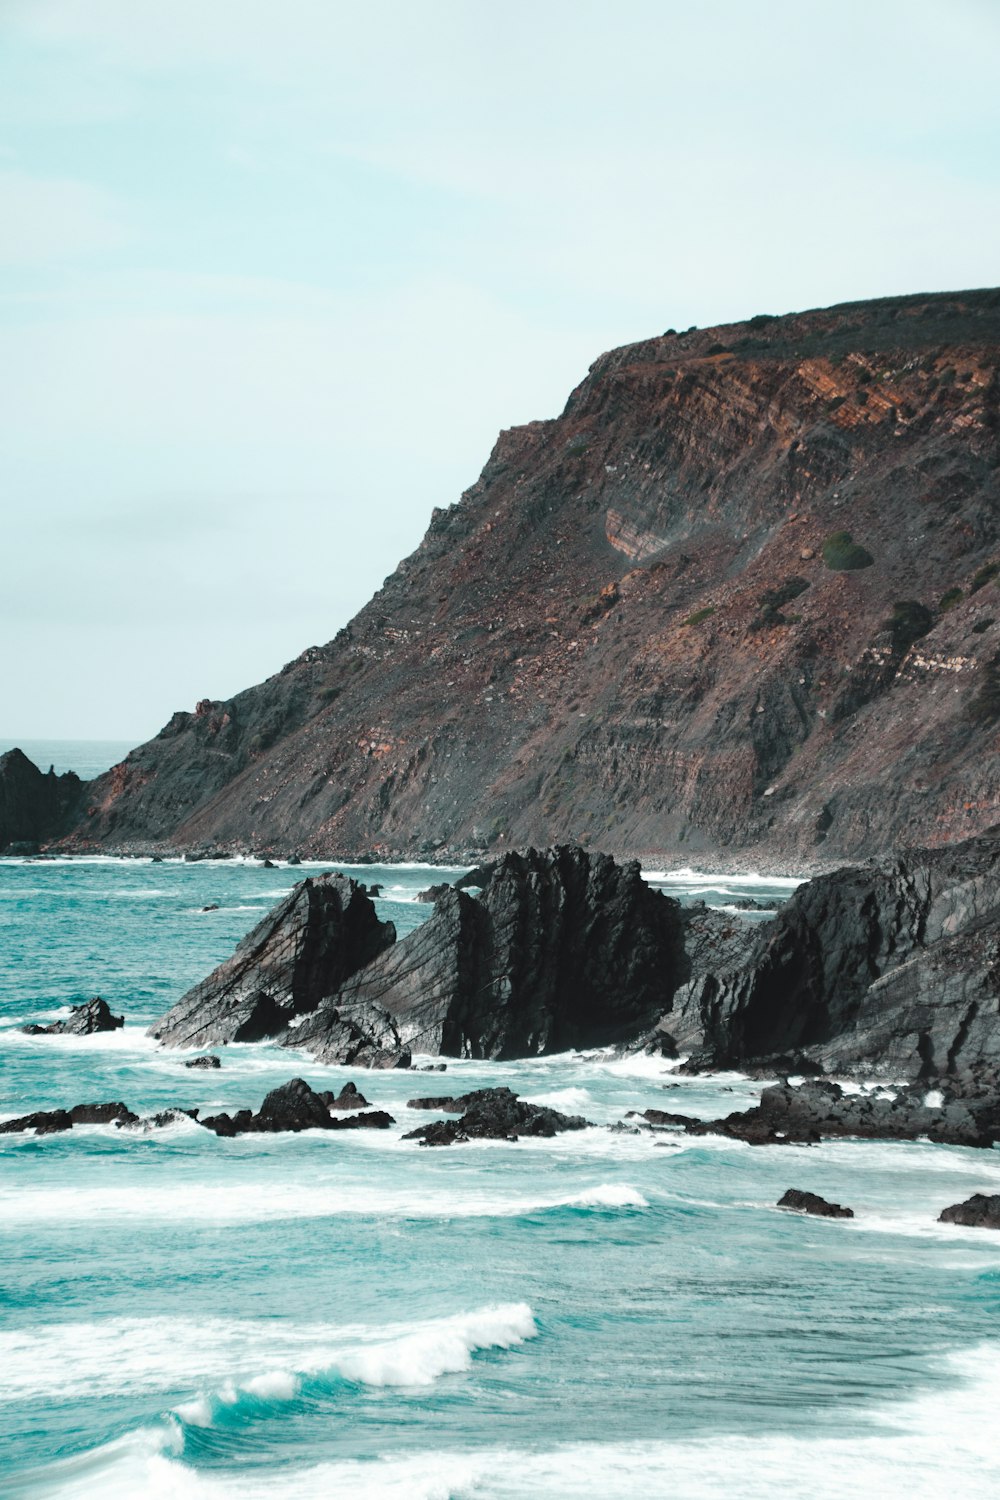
{"x":495,"y":1114}
{"x":562,"y":949}
{"x":738,"y":603}
{"x":981,"y":1211}
{"x":83,"y":1020}
{"x":893,"y":968}
{"x":303,"y":950}
{"x":819,"y":1108}
{"x":293,"y":1106}
{"x":812,"y":1203}
{"x":33,"y":807}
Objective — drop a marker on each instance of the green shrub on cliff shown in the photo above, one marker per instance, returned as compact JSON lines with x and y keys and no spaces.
{"x":700,"y":615}
{"x":983,"y":577}
{"x":908,"y":622}
{"x":772,"y":601}
{"x":842,"y":554}
{"x":949,"y":599}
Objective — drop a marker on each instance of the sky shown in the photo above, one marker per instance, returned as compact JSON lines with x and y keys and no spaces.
{"x":275,"y":273}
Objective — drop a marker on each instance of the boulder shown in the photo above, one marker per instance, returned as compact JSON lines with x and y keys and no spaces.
{"x":320,"y":934}
{"x":495,"y":1114}
{"x":981,"y":1211}
{"x":83,"y":1020}
{"x":209,"y":1060}
{"x":812,"y":1203}
{"x":357,"y":1035}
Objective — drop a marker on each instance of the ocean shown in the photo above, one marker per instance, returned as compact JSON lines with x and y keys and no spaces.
{"x":602,"y":1314}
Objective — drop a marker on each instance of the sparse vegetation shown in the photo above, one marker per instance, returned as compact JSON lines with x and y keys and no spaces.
{"x":716,"y":349}
{"x":985,"y":706}
{"x":772,"y":601}
{"x":949,"y":599}
{"x":842,"y":554}
{"x":700,"y":615}
{"x":761,"y":320}
{"x":908,"y":622}
{"x":983,"y":577}
{"x":981,"y":626}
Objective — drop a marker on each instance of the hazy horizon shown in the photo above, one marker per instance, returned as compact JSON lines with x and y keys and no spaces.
{"x":275,"y":278}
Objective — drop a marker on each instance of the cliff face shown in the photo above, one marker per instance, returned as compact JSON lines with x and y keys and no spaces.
{"x":644,"y":629}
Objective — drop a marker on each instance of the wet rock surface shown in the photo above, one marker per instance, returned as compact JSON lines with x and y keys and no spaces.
{"x":981,"y":1211}
{"x":493,"y":1114}
{"x":304,"y":949}
{"x":891,"y":968}
{"x":84,"y":1020}
{"x":820,"y":1109}
{"x":562,"y":949}
{"x":812,"y":1203}
{"x":293,"y":1107}
{"x":209,"y":1061}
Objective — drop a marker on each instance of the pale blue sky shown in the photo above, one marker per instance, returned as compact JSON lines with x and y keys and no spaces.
{"x":273,"y":274}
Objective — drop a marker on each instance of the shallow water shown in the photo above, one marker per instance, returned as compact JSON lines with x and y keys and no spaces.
{"x":597,"y":1315}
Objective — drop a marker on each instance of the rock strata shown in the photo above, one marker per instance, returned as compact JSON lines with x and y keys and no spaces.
{"x":892,"y":968}
{"x":305,"y":948}
{"x":494,"y":1114}
{"x":812,"y":1203}
{"x":981,"y":1211}
{"x":83,"y":1020}
{"x":562,"y":949}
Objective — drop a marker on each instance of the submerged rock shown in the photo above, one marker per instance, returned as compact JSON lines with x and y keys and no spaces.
{"x":84,"y":1020}
{"x":812,"y":1203}
{"x":981,"y":1211}
{"x":305,"y":948}
{"x":48,"y":1122}
{"x":493,"y":1114}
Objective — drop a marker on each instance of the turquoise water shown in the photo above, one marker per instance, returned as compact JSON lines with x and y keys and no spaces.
{"x":599,"y":1315}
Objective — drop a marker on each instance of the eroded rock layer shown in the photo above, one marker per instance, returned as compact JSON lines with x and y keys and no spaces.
{"x":739,"y":602}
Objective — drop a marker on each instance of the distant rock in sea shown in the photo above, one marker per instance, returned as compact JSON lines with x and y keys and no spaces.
{"x":83,"y":1020}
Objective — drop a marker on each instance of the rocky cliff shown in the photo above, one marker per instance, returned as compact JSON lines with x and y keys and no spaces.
{"x":739,"y":601}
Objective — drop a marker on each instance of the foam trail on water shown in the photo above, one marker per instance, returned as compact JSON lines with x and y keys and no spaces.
{"x":128,"y":1355}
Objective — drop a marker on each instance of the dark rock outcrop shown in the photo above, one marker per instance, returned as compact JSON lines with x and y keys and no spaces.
{"x":84,"y":1020}
{"x":48,"y":1122}
{"x":355,"y":1033}
{"x":293,"y":1107}
{"x":208,"y":1061}
{"x":33,"y":806}
{"x":494,"y":1114}
{"x":891,"y":968}
{"x":350,"y":1097}
{"x":819,"y":1109}
{"x":812,"y":1203}
{"x":981,"y":1211}
{"x":562,"y":949}
{"x":305,"y":948}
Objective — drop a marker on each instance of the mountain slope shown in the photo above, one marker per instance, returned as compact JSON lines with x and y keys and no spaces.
{"x":635,"y":629}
